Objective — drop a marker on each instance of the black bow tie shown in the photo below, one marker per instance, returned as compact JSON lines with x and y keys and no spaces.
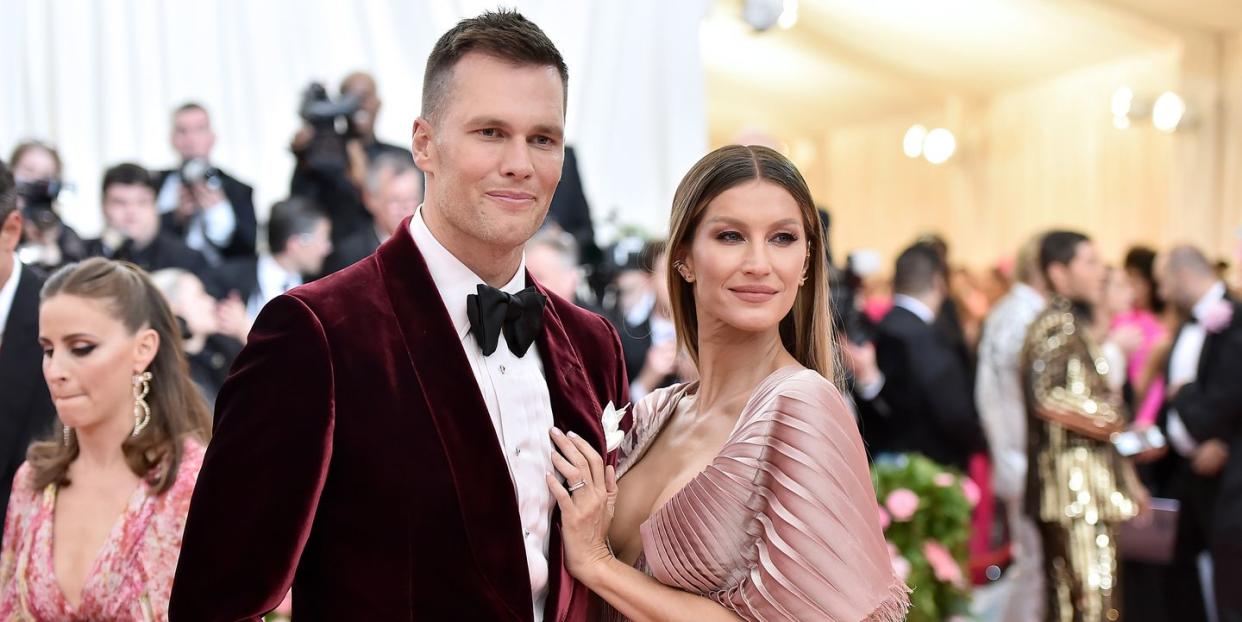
{"x":519,"y":315}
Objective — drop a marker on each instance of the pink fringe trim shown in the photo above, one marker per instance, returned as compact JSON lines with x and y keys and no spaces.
{"x":895,"y":607}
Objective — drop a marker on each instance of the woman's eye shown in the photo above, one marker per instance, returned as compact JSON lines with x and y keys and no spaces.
{"x":82,"y":350}
{"x":785,"y":239}
{"x":47,"y":353}
{"x":729,"y":236}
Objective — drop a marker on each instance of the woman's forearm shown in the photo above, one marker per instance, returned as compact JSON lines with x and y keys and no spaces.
{"x":643,"y":599}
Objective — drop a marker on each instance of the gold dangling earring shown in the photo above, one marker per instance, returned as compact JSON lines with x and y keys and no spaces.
{"x":67,"y":434}
{"x":142,"y":411}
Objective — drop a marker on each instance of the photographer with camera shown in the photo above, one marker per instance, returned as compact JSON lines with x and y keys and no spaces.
{"x":132,"y":227}
{"x":209,"y":210}
{"x":47,"y":243}
{"x":334,"y":149}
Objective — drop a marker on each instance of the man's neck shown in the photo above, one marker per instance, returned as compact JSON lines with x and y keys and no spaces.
{"x":496,"y":266}
{"x":285,"y":262}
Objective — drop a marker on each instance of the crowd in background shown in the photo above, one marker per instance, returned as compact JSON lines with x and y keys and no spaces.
{"x":931,"y":364}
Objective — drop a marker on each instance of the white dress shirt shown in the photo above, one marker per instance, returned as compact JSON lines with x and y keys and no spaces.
{"x":1184,"y":366}
{"x":999,"y":393}
{"x":7,"y":292}
{"x":274,"y":280}
{"x":215,"y":223}
{"x":516,"y":393}
{"x":915,"y":306}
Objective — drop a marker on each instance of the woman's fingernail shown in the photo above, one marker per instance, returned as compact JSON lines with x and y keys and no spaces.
{"x":556,"y":432}
{"x":573,"y":434}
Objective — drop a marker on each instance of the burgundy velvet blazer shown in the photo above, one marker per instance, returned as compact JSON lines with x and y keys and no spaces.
{"x":353,"y":459}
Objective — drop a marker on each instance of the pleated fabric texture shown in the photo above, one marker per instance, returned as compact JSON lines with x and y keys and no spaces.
{"x":783,"y":524}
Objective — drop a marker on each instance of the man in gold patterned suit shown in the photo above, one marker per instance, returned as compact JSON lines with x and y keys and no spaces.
{"x":1078,"y":487}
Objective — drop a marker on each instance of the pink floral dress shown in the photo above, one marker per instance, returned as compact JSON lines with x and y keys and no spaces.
{"x":131,"y":578}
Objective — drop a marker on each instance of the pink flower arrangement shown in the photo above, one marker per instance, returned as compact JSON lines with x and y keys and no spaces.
{"x":971,"y":490}
{"x":901,"y":565}
{"x":942,"y":563}
{"x":902,"y":503}
{"x":1218,"y":316}
{"x":944,"y":480}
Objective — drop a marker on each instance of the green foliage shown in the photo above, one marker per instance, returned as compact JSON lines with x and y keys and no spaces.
{"x":942,"y":516}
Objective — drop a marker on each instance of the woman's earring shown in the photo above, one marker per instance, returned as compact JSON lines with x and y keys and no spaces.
{"x":681,"y":269}
{"x":142,"y":410}
{"x":67,"y":434}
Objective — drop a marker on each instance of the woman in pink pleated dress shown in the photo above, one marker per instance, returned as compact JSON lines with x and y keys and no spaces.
{"x":94,"y":524}
{"x":744,"y":495}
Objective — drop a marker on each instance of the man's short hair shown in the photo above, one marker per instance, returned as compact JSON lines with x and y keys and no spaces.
{"x":916,"y":269}
{"x":392,"y":163}
{"x":290,"y":217}
{"x":559,"y":242}
{"x":127,"y":174}
{"x":1190,"y":258}
{"x":188,"y":106}
{"x":503,"y":34}
{"x":1059,"y":247}
{"x":8,"y":193}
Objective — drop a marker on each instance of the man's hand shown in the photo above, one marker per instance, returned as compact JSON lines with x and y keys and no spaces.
{"x":206,"y":196}
{"x":232,"y":318}
{"x":861,"y":359}
{"x":1210,"y":458}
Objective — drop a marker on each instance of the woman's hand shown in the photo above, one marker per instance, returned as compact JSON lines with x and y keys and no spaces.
{"x":586,"y":512}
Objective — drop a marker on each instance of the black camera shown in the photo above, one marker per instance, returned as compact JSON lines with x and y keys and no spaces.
{"x":331,"y":121}
{"x":322,"y":112}
{"x":38,"y":197}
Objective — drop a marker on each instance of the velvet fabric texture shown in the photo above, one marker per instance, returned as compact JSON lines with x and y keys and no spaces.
{"x":354,"y":459}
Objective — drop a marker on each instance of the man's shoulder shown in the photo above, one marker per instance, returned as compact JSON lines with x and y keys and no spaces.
{"x":581,"y":320}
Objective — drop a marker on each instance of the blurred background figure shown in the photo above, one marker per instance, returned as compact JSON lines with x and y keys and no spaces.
{"x":1002,"y":413}
{"x":27,"y":407}
{"x":208,"y":209}
{"x":298,"y":242}
{"x":99,"y":506}
{"x":212,"y":331}
{"x":132,"y":226}
{"x":393,"y":190}
{"x":334,"y":148}
{"x":47,"y":241}
{"x":552,"y":258}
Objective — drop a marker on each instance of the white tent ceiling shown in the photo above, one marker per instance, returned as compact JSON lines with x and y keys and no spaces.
{"x":851,"y":60}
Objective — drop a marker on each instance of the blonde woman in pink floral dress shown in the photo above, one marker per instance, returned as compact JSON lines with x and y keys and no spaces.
{"x":94,"y":524}
{"x":744,"y":495}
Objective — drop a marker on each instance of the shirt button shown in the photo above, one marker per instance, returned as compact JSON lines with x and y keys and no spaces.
{"x":518,"y":451}
{"x":502,"y":369}
{"x":526,"y":534}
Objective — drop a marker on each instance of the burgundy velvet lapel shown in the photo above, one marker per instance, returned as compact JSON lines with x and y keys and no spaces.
{"x":481,"y":476}
{"x":574,"y":403}
{"x":574,"y":407}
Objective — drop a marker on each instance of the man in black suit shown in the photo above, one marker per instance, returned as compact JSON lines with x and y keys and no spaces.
{"x":393,"y":190}
{"x":924,"y":381}
{"x":1203,"y":422}
{"x":571,"y":212}
{"x":132,"y":227}
{"x":214,"y":212}
{"x":298,"y":241}
{"x":25,"y":406}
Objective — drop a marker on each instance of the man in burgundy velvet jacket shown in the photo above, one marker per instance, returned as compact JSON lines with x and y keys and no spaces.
{"x":382,"y":441}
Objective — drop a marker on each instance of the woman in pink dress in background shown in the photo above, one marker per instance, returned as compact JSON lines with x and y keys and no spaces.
{"x":744,"y":495}
{"x":94,"y":524}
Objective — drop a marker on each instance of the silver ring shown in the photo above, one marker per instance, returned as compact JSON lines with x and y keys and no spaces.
{"x":579,"y":485}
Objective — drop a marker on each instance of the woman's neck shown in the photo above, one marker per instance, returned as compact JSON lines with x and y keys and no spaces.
{"x":99,"y":445}
{"x":733,"y":362}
